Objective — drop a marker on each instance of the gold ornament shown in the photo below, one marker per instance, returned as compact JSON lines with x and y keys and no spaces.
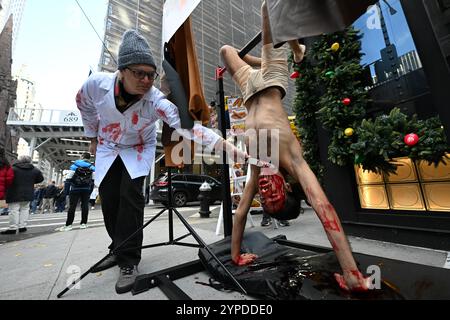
{"x":335,"y":47}
{"x":349,"y":132}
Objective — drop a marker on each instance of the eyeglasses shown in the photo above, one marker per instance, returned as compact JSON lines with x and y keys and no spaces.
{"x":139,"y":74}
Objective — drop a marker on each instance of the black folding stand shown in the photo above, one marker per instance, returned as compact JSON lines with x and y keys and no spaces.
{"x":147,"y":281}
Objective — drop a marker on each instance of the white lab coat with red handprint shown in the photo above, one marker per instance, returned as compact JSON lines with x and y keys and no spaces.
{"x":132,"y":134}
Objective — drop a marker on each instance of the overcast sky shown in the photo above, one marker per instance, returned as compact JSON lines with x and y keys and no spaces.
{"x":58,"y":46}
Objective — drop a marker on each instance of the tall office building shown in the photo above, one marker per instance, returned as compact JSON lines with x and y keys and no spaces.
{"x":142,"y":15}
{"x":14,"y":8}
{"x":26,"y":105}
{"x":214,"y":22}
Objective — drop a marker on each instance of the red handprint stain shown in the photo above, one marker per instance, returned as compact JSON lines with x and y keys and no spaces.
{"x":162,"y":114}
{"x":324,"y":210}
{"x":114,"y":130}
{"x":140,"y":146}
{"x":135,"y":118}
{"x":329,"y":218}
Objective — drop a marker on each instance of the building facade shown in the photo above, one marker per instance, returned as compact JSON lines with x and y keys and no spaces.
{"x":15,"y":9}
{"x":7,"y":90}
{"x":215,"y":23}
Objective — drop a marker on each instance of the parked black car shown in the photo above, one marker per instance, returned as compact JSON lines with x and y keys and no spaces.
{"x":185,"y":188}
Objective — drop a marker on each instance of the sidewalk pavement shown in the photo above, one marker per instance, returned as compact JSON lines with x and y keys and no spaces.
{"x":41,"y":267}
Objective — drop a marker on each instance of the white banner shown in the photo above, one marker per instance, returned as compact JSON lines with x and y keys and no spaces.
{"x":175,"y":13}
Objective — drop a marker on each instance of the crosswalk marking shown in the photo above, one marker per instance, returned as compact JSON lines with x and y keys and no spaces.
{"x":447,"y":261}
{"x":55,"y":220}
{"x":91,"y":222}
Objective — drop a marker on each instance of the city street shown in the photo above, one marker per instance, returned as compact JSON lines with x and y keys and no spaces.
{"x":42,"y":224}
{"x":37,"y":265}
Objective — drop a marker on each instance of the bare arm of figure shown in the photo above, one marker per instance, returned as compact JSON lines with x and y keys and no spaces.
{"x":240,"y":218}
{"x":352,"y":279}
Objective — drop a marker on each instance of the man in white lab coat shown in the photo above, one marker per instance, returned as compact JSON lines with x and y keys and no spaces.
{"x":119,"y":113}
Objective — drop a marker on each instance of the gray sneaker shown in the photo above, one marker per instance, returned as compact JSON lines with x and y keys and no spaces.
{"x":284,"y":223}
{"x":126,"y":279}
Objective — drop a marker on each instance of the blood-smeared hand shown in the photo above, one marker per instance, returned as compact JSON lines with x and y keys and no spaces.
{"x":245,"y":259}
{"x":353,"y":281}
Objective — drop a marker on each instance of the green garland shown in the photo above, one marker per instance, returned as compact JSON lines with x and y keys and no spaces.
{"x":305,"y":107}
{"x":372,"y":143}
{"x":380,"y":140}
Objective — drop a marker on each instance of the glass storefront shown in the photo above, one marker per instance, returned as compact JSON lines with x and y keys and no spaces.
{"x":394,"y":73}
{"x":416,"y":186}
{"x":395,"y":77}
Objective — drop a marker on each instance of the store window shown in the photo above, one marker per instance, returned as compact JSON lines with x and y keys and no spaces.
{"x":395,"y":78}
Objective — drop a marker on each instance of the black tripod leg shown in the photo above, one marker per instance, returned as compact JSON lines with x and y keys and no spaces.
{"x":200,"y":241}
{"x":82,"y":276}
{"x":109,"y":254}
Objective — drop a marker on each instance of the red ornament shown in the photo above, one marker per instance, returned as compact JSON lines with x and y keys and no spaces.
{"x":295,"y":75}
{"x":411,"y":139}
{"x":346,"y":101}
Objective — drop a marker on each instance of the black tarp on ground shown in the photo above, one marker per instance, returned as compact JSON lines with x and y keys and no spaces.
{"x":286,"y":273}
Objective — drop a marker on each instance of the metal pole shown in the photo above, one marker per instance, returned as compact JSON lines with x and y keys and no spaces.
{"x":250,"y":45}
{"x":226,"y":193}
{"x":32,"y":147}
{"x":224,"y":125}
{"x":169,"y":198}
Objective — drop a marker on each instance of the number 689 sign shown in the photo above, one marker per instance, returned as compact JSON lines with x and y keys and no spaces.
{"x":71,"y":118}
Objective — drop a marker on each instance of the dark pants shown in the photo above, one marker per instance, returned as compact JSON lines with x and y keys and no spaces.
{"x":123,"y":212}
{"x":73,"y":201}
{"x":60,"y":204}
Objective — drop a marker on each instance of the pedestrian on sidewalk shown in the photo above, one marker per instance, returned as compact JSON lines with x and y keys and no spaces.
{"x":93,"y":197}
{"x":267,"y":221}
{"x":60,"y":199}
{"x":21,"y":193}
{"x":48,"y":202}
{"x":37,"y":198}
{"x":119,"y":112}
{"x":81,"y":185}
{"x":6,"y":178}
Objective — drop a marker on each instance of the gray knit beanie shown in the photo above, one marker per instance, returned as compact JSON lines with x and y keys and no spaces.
{"x":134,"y":49}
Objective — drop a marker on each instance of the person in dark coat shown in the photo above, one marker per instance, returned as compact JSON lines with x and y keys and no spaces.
{"x":60,"y":199}
{"x":49,"y":198}
{"x":21,"y":193}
